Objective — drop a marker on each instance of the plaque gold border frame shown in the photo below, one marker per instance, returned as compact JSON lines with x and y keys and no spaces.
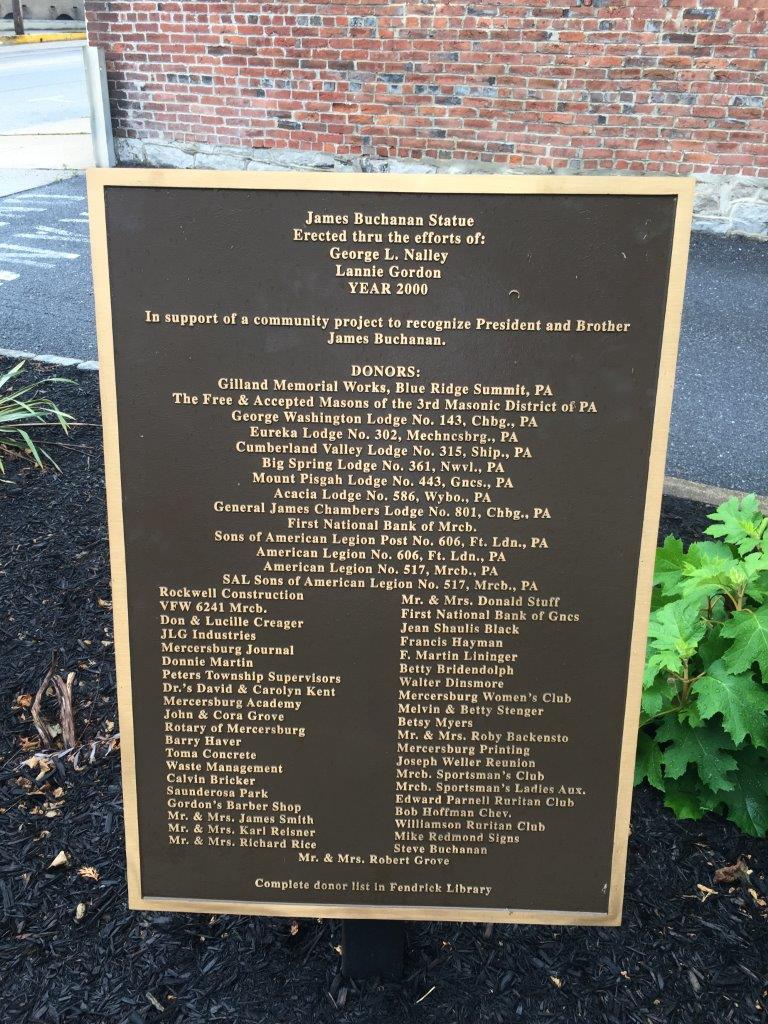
{"x":435,"y":184}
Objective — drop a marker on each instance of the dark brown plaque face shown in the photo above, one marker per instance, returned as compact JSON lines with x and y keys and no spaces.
{"x":382,"y":518}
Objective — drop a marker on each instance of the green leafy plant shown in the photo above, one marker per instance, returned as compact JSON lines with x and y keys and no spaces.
{"x":23,"y":411}
{"x":704,"y":725}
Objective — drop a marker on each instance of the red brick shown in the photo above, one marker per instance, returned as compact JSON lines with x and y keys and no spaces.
{"x":675,"y":96}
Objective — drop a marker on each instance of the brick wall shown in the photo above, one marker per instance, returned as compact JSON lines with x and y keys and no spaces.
{"x":571,"y":87}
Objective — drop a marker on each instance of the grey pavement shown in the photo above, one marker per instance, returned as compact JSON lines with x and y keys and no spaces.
{"x":718,"y":433}
{"x":41,"y":84}
{"x":46,"y":296}
{"x":44,"y":109}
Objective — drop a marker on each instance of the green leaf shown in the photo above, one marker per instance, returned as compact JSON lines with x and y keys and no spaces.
{"x":749,"y":631}
{"x":712,"y":647}
{"x":683,"y":796}
{"x":691,"y":715}
{"x":51,"y":459}
{"x":739,"y":522}
{"x":741,"y":701}
{"x":707,"y":749}
{"x":648,"y":763}
{"x":656,"y":695}
{"x":668,"y":570}
{"x":654,"y":666}
{"x":22,"y":412}
{"x":733,"y":576}
{"x":703,"y":551}
{"x":674,"y":633}
{"x":658,"y":600}
{"x":755,"y":567}
{"x":11,"y":373}
{"x":747,"y":801}
{"x":707,"y":576}
{"x":712,"y":569}
{"x":31,"y":447}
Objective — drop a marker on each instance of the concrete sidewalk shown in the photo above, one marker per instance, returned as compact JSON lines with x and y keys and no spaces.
{"x":23,"y":179}
{"x":57,"y":145}
{"x":44,"y":109}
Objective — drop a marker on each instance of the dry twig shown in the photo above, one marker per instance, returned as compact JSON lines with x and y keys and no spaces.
{"x":48,"y":731}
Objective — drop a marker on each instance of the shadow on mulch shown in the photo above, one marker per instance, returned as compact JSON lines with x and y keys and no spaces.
{"x":70,"y":950}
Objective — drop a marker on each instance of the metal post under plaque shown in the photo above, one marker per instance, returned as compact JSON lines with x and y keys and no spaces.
{"x":372,"y":949}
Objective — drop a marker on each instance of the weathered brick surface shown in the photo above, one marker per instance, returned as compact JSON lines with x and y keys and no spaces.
{"x":566,"y":87}
{"x":573,"y":87}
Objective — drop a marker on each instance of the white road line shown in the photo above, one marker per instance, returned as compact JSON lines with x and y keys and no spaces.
{"x":26,"y":261}
{"x":51,"y":239}
{"x":46,"y":229}
{"x":46,"y":197}
{"x":49,"y":234}
{"x":31,"y":250}
{"x":7,"y":275}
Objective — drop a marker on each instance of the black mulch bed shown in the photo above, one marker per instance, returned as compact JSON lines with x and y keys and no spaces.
{"x":689,"y":950}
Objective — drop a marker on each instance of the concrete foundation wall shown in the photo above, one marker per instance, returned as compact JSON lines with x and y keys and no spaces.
{"x":724,"y":203}
{"x":40,"y":10}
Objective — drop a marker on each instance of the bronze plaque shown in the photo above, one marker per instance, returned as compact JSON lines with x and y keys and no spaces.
{"x":385,"y":458}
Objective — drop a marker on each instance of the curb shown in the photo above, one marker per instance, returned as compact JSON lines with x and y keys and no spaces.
{"x":674,"y":486}
{"x":705,"y":494}
{"x":41,"y":37}
{"x":44,"y":178}
{"x":78,"y":364}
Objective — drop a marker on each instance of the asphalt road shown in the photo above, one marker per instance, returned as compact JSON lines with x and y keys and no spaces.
{"x":46,"y":296}
{"x":718,"y":433}
{"x":41,"y":84}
